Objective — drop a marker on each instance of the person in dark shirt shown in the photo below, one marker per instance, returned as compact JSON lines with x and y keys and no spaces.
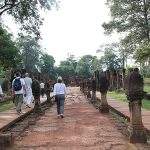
{"x":36,"y":94}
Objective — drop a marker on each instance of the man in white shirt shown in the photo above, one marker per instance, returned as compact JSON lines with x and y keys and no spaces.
{"x":18,"y":88}
{"x":59,"y":93}
{"x":28,"y":83}
{"x":42,"y":88}
{"x":1,"y":93}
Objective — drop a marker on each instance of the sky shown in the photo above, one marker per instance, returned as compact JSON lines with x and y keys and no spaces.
{"x":74,"y":29}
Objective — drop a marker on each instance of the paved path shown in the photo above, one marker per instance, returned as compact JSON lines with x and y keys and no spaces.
{"x":124,"y":109}
{"x":83,"y":128}
{"x":10,"y":115}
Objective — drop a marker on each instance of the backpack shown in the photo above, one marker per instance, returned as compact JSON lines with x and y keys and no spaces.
{"x":17,"y":84}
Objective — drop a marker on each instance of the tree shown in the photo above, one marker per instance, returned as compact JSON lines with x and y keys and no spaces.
{"x":66,"y":69}
{"x":85,"y":66}
{"x":27,"y":12}
{"x":131,"y":18}
{"x":30,"y":51}
{"x":9,"y":52}
{"x":47,"y":65}
{"x":110,"y":60}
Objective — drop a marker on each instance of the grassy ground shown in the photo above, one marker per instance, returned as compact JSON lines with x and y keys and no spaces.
{"x":147,"y":80}
{"x":147,"y":88}
{"x":122,"y":97}
{"x":6,"y":106}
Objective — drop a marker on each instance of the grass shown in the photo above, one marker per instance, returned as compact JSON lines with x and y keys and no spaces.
{"x":6,"y":106}
{"x":147,"y":80}
{"x":122,"y":97}
{"x":147,"y":88}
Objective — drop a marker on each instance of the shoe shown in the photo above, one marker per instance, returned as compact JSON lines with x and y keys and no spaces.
{"x":61,"y":115}
{"x":27,"y":106}
{"x":19,"y":113}
{"x":58,"y":116}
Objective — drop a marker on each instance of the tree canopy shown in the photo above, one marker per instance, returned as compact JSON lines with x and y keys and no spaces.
{"x":131,"y":18}
{"x":9,"y":52}
{"x":47,"y":65}
{"x":27,"y":12}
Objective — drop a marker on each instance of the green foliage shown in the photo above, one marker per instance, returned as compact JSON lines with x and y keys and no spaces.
{"x":143,"y":53}
{"x":27,"y":12}
{"x":131,"y":18}
{"x":6,"y":106}
{"x":47,"y":65}
{"x":85,"y":65}
{"x":66,"y":69}
{"x":30,"y":51}
{"x":2,"y":72}
{"x":9,"y":53}
{"x":145,"y":71}
{"x":110,"y":60}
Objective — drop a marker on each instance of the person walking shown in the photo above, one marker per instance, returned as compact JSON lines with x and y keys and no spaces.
{"x":1,"y":93}
{"x":59,"y":93}
{"x":42,"y":88}
{"x":18,"y":91}
{"x":36,"y":93}
{"x":29,"y":97}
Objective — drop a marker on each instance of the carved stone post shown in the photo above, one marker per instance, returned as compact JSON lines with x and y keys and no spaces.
{"x":84,"y":87}
{"x":104,"y":84}
{"x":88,"y":88}
{"x":93,"y":86}
{"x":135,"y":95}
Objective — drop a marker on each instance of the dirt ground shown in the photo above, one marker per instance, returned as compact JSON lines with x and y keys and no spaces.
{"x":82,"y":128}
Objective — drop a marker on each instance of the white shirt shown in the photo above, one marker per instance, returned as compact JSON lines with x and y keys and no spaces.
{"x":1,"y":91}
{"x":42,"y":85}
{"x":22,"y":83}
{"x":28,"y":82}
{"x":59,"y":88}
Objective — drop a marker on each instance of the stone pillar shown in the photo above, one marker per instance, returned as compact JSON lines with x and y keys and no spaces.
{"x":89,"y":88}
{"x":104,"y":84}
{"x":93,"y":86}
{"x":136,"y":128}
{"x":135,"y":95}
{"x":104,"y":107}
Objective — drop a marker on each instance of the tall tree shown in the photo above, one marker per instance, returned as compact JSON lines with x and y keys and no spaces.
{"x":66,"y":69}
{"x":30,"y":51}
{"x":47,"y":65}
{"x":132,"y":18}
{"x":110,"y":60}
{"x":85,"y":66}
{"x":9,"y":52}
{"x":27,"y":12}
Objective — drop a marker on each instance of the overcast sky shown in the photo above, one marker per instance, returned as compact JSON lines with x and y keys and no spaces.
{"x":75,"y":28}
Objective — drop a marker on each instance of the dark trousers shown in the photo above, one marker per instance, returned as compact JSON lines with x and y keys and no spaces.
{"x":60,"y":103}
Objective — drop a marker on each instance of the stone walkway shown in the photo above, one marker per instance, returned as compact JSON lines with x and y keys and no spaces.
{"x":123,"y":108}
{"x":9,"y":116}
{"x":83,"y":128}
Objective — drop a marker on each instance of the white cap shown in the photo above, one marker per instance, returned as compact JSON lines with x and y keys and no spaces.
{"x":59,"y":78}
